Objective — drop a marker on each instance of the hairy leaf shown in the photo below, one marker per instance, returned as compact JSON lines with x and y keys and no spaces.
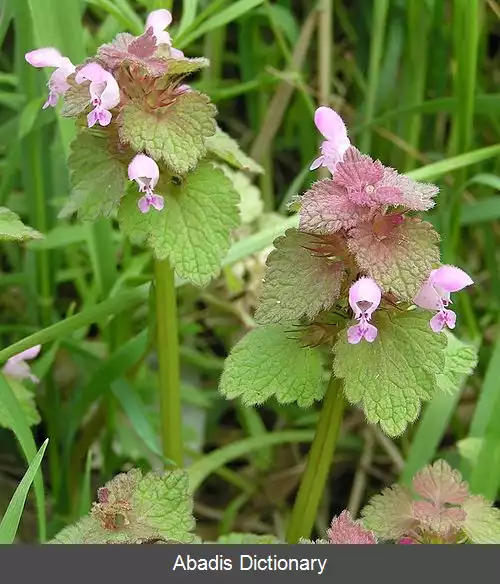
{"x":137,"y":509}
{"x":314,"y":287}
{"x":325,"y":208}
{"x":26,"y":399}
{"x":400,"y":260}
{"x":266,"y":363}
{"x":175,"y":134}
{"x":98,"y":177}
{"x":482,"y":523}
{"x":222,"y":146}
{"x":390,"y":514}
{"x":390,"y":377}
{"x":13,"y":229}
{"x":461,"y":359}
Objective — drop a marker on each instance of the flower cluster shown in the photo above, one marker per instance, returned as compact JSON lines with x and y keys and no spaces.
{"x":390,"y":257}
{"x":437,"y":509}
{"x":95,"y":86}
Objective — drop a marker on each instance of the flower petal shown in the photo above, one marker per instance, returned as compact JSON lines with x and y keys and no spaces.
{"x":143,"y":166}
{"x":143,"y":204}
{"x":92,"y":72}
{"x":330,"y":124}
{"x":47,"y":57}
{"x":364,"y":291}
{"x":317,"y":163}
{"x":158,"y":20}
{"x":370,"y":332}
{"x":28,"y":354}
{"x":354,"y":334}
{"x":427,"y":297}
{"x":438,"y":322}
{"x":157,"y":202}
{"x":110,"y":97}
{"x":450,"y":278}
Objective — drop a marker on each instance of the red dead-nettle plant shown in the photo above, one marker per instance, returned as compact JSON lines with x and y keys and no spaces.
{"x":144,"y":154}
{"x":360,"y":283}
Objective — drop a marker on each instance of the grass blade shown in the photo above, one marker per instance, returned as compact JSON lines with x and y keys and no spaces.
{"x":24,"y":436}
{"x":10,"y":521}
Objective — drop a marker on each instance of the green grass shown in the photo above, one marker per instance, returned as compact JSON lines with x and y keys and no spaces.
{"x":417,"y":84}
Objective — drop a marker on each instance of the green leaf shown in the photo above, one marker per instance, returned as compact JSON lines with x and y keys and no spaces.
{"x":13,"y":229}
{"x":175,"y":134}
{"x":402,"y":260}
{"x":98,"y":177}
{"x":461,"y":359}
{"x":26,"y":399}
{"x":482,"y":523}
{"x":247,"y":539}
{"x":315,"y":287}
{"x":390,"y":514}
{"x":194,"y":229}
{"x":12,"y":517}
{"x":76,"y":98}
{"x":135,"y":509}
{"x":266,"y":363}
{"x":251,"y":203}
{"x":222,"y":146}
{"x":390,"y":377}
{"x":183,"y":67}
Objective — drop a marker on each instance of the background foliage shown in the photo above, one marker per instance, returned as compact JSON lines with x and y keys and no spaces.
{"x":416,"y":81}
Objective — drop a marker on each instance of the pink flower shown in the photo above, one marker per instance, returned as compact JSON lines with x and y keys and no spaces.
{"x":159,"y":20}
{"x":364,"y":298}
{"x":435,"y":295}
{"x":17,"y":368}
{"x":330,"y":124}
{"x":146,"y":173}
{"x":406,"y":541}
{"x":104,"y":93}
{"x":50,"y":57}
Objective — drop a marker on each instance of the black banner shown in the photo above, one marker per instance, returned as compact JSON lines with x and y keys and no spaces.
{"x":145,"y":564}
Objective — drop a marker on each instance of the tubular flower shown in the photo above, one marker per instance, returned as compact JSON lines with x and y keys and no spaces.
{"x":330,"y":124}
{"x":50,"y":57}
{"x":364,"y":298}
{"x":435,"y":295}
{"x":146,"y":173}
{"x":17,"y":368}
{"x":104,"y":93}
{"x":159,"y":20}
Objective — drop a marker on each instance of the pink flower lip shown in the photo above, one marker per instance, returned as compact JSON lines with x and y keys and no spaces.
{"x":159,"y":20}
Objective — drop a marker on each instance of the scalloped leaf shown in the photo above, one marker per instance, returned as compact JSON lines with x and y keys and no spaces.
{"x":26,"y":399}
{"x":175,"y":134}
{"x":194,"y":229}
{"x":268,"y":362}
{"x":461,"y":360}
{"x":223,"y":147}
{"x":390,"y":377}
{"x":315,"y":287}
{"x":135,"y":509}
{"x":13,"y":229}
{"x":400,"y":260}
{"x":389,"y":515}
{"x":98,"y":177}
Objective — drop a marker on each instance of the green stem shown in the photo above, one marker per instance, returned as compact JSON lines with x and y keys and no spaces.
{"x":168,"y":360}
{"x":318,"y":465}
